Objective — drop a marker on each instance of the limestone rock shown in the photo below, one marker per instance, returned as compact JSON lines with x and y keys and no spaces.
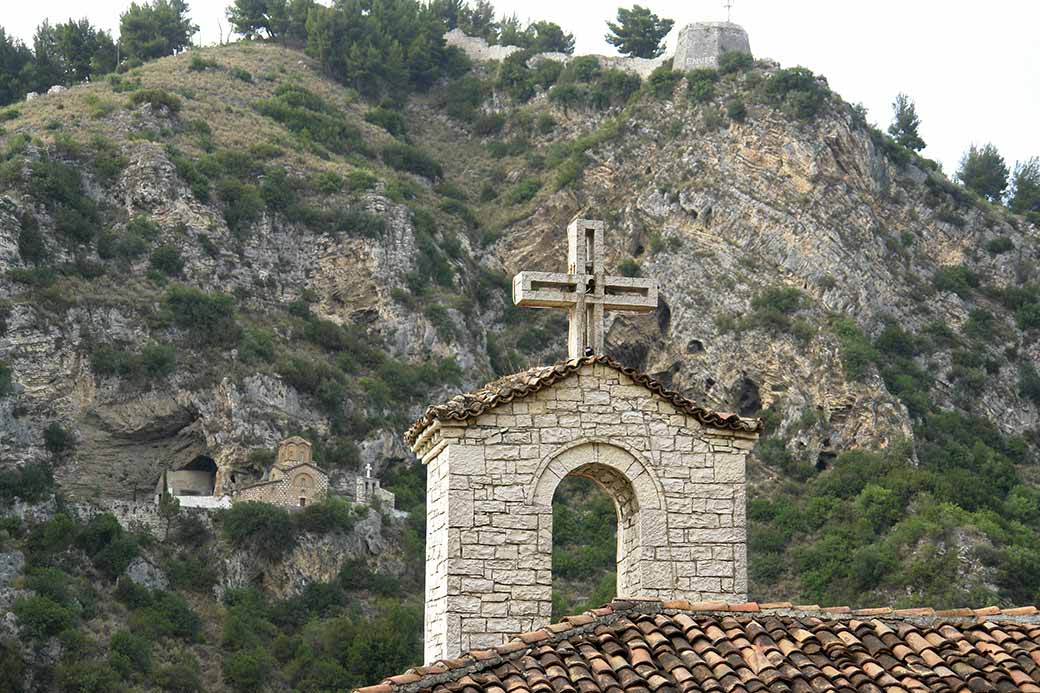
{"x":144,"y":573}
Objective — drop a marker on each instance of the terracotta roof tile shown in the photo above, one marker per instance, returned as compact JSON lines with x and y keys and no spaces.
{"x":524,"y":383}
{"x":677,"y":647}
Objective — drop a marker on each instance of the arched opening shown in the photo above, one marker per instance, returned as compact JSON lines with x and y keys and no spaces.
{"x":584,"y":558}
{"x":609,"y":509}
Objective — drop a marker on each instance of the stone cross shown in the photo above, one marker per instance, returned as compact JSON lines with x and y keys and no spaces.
{"x":728,"y":4}
{"x":585,"y":291}
{"x":368,"y":470}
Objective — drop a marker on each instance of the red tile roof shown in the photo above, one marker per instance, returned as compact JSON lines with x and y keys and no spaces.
{"x":524,"y":383}
{"x":673,"y":646}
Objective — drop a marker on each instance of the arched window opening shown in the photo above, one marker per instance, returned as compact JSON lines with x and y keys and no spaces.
{"x":585,"y":528}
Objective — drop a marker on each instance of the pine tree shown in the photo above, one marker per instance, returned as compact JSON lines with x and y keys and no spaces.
{"x":16,"y":69}
{"x":905,"y":123}
{"x":548,"y":37}
{"x":1025,"y":189}
{"x":253,"y":18}
{"x":510,"y":32}
{"x":479,"y":20}
{"x":451,"y":12}
{"x":638,"y":32}
{"x":984,"y":171}
{"x":156,"y":29}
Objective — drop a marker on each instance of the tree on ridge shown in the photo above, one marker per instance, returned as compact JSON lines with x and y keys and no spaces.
{"x":638,"y":32}
{"x":983,"y":170}
{"x":905,"y":123}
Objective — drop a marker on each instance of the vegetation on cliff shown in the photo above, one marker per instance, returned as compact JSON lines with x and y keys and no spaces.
{"x":303,"y":239}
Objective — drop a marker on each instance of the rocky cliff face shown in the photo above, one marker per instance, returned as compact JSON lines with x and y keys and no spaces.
{"x":718,"y":211}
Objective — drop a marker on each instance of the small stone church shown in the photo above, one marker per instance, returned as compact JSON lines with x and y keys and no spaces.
{"x":676,"y":473}
{"x":293,"y":481}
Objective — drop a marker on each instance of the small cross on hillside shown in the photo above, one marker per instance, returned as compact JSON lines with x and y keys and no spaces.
{"x":586,"y":291}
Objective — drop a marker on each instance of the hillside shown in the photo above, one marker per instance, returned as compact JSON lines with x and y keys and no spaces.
{"x":219,"y":249}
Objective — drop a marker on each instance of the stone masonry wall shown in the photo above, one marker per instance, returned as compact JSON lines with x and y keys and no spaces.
{"x":478,"y":50}
{"x":701,"y":44}
{"x":282,"y":492}
{"x":490,"y":482}
{"x":134,"y":516}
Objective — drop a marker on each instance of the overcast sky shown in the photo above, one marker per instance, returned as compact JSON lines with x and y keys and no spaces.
{"x":973,"y":68}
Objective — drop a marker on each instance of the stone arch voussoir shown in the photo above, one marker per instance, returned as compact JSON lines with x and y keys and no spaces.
{"x":582,"y":456}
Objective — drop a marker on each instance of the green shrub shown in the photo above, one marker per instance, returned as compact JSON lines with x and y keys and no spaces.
{"x":242,"y":203}
{"x":59,"y":187}
{"x":126,"y":245}
{"x":165,"y":615}
{"x":361,"y":179}
{"x":1029,"y":383}
{"x":31,"y":482}
{"x":524,"y":191}
{"x":135,"y":649}
{"x":41,"y":616}
{"x":108,"y":546}
{"x":856,"y":350}
{"x":191,"y":572}
{"x":182,"y":676}
{"x":6,"y":379}
{"x":200,"y":64}
{"x":247,"y":670}
{"x":332,"y":514}
{"x":613,"y":88}
{"x":1028,"y":316}
{"x":568,"y":96}
{"x":960,"y":280}
{"x":210,"y":317}
{"x":463,"y":97}
{"x":731,"y":62}
{"x":277,"y":190}
{"x":391,"y":121}
{"x":629,"y":268}
{"x":489,"y":124}
{"x":661,"y":82}
{"x":155,"y":361}
{"x":52,"y":536}
{"x":700,"y":84}
{"x":58,"y":440}
{"x":158,"y":99}
{"x":404,"y":157}
{"x":736,"y":110}
{"x":515,"y":78}
{"x":31,"y":246}
{"x":108,"y":162}
{"x":999,"y":245}
{"x":167,"y":259}
{"x":307,"y":115}
{"x":545,"y":123}
{"x":772,"y":308}
{"x":316,"y":378}
{"x":260,"y":527}
{"x":256,"y":346}
{"x":239,"y":73}
{"x":797,"y":92}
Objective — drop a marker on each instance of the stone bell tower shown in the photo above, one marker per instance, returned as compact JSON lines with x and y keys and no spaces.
{"x":495,"y":457}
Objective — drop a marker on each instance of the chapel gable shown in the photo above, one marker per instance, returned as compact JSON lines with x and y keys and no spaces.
{"x":495,"y":457}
